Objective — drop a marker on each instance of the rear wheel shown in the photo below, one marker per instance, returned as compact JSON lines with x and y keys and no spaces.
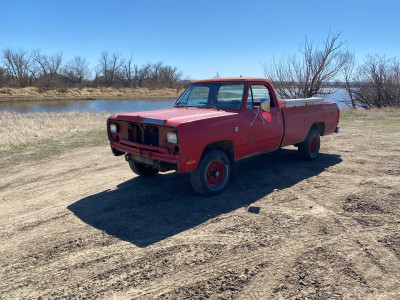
{"x":309,"y":149}
{"x":142,"y":170}
{"x":212,"y":174}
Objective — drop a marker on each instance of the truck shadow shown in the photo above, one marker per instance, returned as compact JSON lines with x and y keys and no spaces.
{"x":144,"y":211}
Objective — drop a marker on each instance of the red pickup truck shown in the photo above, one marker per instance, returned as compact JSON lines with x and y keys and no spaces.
{"x":215,"y":123}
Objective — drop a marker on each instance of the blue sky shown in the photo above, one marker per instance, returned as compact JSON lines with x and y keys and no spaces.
{"x":201,"y":38}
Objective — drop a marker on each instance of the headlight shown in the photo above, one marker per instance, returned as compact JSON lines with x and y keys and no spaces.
{"x":172,"y":137}
{"x":114,"y":128}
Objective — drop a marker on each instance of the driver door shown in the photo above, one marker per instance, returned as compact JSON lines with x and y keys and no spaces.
{"x":264,"y":126}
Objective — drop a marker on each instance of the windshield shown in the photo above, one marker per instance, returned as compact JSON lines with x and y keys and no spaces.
{"x":218,"y":95}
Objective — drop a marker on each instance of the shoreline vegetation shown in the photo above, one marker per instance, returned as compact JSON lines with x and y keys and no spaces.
{"x":86,"y":93}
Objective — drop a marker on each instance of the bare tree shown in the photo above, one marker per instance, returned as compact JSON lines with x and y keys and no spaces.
{"x":17,"y":63}
{"x":306,"y":74}
{"x":3,"y":77}
{"x":347,"y":73}
{"x":49,"y":66}
{"x":169,"y":76}
{"x":77,"y":70}
{"x":158,"y":75}
{"x":143,"y":73}
{"x":128,"y":73}
{"x":109,"y":66}
{"x":377,"y":82}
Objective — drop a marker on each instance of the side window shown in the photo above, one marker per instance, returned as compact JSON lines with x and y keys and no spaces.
{"x":259,"y":92}
{"x":230,"y":96}
{"x":256,"y":93}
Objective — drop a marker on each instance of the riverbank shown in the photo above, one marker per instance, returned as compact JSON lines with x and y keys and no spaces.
{"x":87,"y":93}
{"x":71,"y":210}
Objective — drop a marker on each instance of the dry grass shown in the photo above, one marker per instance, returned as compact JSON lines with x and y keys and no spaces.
{"x":372,"y":112}
{"x":18,"y":130}
{"x":33,"y":93}
{"x":36,"y":135}
{"x":372,"y":122}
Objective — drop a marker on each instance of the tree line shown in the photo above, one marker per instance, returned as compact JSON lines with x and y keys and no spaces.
{"x":312,"y":71}
{"x":23,"y":68}
{"x":315,"y":69}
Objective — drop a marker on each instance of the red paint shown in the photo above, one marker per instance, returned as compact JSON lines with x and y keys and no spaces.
{"x":246,"y":131}
{"x":215,"y":173}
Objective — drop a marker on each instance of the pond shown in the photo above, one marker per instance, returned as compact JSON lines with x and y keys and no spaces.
{"x":113,"y":106}
{"x":95,"y":106}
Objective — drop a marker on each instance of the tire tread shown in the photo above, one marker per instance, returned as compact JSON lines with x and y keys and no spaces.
{"x":304,"y":147}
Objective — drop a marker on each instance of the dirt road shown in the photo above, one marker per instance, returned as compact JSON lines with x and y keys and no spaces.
{"x":81,"y":225}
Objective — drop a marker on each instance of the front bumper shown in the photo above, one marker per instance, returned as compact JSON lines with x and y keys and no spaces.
{"x":147,"y":151}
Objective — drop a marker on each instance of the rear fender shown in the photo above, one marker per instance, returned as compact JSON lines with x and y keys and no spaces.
{"x":320,"y":128}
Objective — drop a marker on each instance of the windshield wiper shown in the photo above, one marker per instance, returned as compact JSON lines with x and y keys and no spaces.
{"x":212,"y":105}
{"x":181,"y":104}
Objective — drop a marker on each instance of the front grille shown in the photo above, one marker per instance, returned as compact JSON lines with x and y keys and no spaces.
{"x":132,"y":132}
{"x":139,"y":135}
{"x":144,"y":134}
{"x":151,"y":135}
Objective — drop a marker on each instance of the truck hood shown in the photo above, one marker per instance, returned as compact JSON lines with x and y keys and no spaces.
{"x":173,"y":116}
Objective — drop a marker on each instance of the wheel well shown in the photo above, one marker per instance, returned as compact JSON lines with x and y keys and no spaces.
{"x":224,"y":146}
{"x":320,"y":127}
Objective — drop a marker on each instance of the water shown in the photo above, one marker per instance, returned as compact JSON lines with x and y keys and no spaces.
{"x":340,"y":97}
{"x":116,"y":106}
{"x":95,"y":106}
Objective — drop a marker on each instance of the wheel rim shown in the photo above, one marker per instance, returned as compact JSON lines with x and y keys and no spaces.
{"x":313,"y":145}
{"x":215,"y":173}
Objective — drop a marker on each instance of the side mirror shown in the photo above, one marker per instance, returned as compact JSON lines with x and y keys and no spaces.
{"x":265,"y":104}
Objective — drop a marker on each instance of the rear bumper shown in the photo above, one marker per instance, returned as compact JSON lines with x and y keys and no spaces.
{"x":152,"y":152}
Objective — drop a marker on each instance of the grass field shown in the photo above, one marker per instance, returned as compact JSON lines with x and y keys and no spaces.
{"x":29,"y":137}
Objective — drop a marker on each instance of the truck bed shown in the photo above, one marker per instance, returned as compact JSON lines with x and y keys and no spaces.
{"x":298,"y":120}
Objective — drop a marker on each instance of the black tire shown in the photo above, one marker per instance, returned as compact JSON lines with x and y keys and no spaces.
{"x":309,"y":149}
{"x":212,"y":174}
{"x":142,"y":170}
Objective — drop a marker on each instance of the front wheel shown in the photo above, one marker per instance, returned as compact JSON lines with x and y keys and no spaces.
{"x":309,"y":149}
{"x":212,"y":174}
{"x":142,"y":170}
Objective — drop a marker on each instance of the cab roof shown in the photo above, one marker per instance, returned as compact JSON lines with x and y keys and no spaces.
{"x":232,"y":79}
